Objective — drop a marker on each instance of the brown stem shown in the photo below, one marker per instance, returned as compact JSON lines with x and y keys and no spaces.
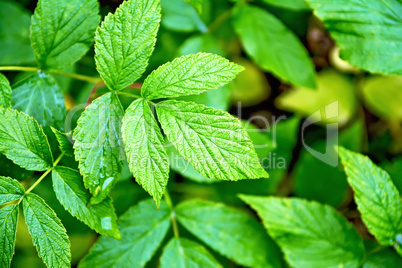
{"x":93,"y":91}
{"x":135,"y":86}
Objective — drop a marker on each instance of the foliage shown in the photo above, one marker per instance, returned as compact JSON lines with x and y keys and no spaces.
{"x":147,"y":104}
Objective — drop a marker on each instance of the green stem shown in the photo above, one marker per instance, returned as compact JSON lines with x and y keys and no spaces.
{"x":128,"y":94}
{"x":371,"y":252}
{"x":172,"y":214}
{"x":18,"y":68}
{"x":39,"y":180}
{"x":44,"y":174}
{"x":219,"y":20}
{"x":81,"y":77}
{"x":58,"y":159}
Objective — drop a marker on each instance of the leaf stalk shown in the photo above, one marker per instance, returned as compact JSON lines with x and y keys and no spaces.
{"x":45,"y":174}
{"x":172,"y":214}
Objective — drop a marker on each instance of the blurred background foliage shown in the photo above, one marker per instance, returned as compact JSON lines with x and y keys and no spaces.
{"x":307,"y":80}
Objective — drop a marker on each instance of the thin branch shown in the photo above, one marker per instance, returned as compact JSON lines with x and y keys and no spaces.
{"x":93,"y":91}
{"x":34,"y":69}
{"x":45,"y":174}
{"x":128,"y":94}
{"x":135,"y":86}
{"x":90,"y":79}
{"x":219,"y":21}
{"x":18,"y":68}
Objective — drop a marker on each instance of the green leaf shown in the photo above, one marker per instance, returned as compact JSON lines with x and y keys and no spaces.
{"x":365,"y":28}
{"x":310,"y":234}
{"x":197,"y":4}
{"x":70,"y":191}
{"x":289,"y":4}
{"x":5,"y":92}
{"x":65,"y":145}
{"x":262,"y":145}
{"x":284,"y":137}
{"x":188,"y":75}
{"x":142,"y":228}
{"x":8,"y":229}
{"x":376,"y":196}
{"x":383,"y":97}
{"x":40,"y":97}
{"x":218,"y":98}
{"x":261,"y":141}
{"x":183,"y":167}
{"x":213,"y":141}
{"x":394,"y":169}
{"x":15,"y":46}
{"x":98,"y":145}
{"x":333,"y":88}
{"x":62,"y":31}
{"x":135,"y":23}
{"x":327,"y":184}
{"x":144,"y":145}
{"x":10,"y":190}
{"x":251,"y":87}
{"x":48,"y":234}
{"x":183,"y":253}
{"x":9,"y":169}
{"x":23,"y":141}
{"x":273,"y":46}
{"x":180,"y":16}
{"x":384,"y":259}
{"x":201,"y":43}
{"x":230,"y":232}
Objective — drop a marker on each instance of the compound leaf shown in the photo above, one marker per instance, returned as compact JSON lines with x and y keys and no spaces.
{"x":65,"y":145}
{"x":142,"y":228}
{"x":98,"y":145}
{"x":5,"y":92}
{"x":10,"y":190}
{"x":70,"y":191}
{"x":189,"y":74}
{"x":310,"y":234}
{"x":125,"y":41}
{"x":40,"y":97}
{"x":183,"y":253}
{"x":144,"y":145}
{"x":273,"y":46}
{"x":362,"y":28}
{"x":8,"y":229}
{"x":230,"y":232}
{"x":48,"y":234}
{"x":23,"y":141}
{"x":62,"y":31}
{"x":376,"y":196}
{"x":213,"y":141}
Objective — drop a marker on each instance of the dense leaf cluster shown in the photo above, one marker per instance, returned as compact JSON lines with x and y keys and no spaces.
{"x":180,"y":113}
